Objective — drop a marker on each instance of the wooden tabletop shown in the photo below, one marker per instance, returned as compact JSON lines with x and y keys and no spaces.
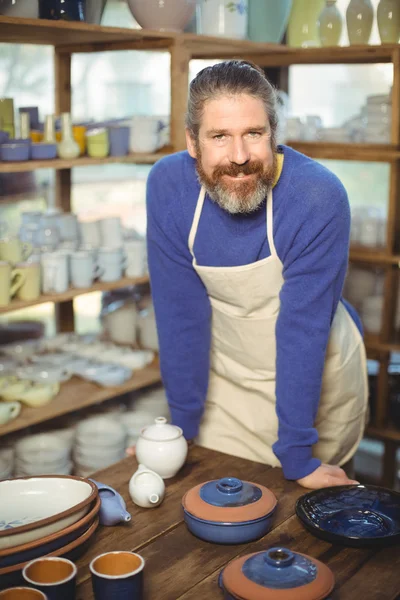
{"x":180,"y":566}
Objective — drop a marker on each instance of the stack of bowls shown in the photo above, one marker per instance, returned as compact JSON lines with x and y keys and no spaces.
{"x":143,"y":409}
{"x":6,"y":468}
{"x":44,"y":516}
{"x":43,"y":454}
{"x":99,"y":443}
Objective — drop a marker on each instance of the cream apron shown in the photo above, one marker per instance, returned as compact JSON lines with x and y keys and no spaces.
{"x":240,"y":416}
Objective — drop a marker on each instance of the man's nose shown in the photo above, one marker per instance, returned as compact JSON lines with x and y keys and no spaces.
{"x":239,"y":153}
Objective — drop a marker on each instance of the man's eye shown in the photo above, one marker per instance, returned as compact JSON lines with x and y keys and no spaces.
{"x":219,"y":136}
{"x":254,"y":134}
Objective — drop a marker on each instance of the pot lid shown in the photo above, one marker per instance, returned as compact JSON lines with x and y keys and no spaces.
{"x":229,"y":500}
{"x":161,"y":431}
{"x":275,"y":574}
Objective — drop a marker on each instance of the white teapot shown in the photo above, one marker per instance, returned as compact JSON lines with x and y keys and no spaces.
{"x":146,"y":488}
{"x":162,"y":448}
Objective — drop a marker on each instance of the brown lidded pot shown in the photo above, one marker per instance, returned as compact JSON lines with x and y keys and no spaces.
{"x":276,"y":574}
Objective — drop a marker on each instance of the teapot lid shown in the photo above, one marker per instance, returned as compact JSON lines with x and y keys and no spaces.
{"x":265,"y":575}
{"x":161,"y":431}
{"x":229,"y":500}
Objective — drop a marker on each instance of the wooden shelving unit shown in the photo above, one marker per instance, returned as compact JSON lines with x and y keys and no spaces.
{"x":68,"y":38}
{"x":74,"y":293}
{"x":77,"y":394}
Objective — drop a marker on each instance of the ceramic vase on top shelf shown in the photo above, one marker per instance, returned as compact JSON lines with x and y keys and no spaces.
{"x":359,"y":18}
{"x":66,"y":10}
{"x":302,"y":30}
{"x":268,"y":20}
{"x":49,"y":129}
{"x":224,"y":18}
{"x":165,"y":15}
{"x":388,"y":17}
{"x":330,"y":24}
{"x":67,"y":148}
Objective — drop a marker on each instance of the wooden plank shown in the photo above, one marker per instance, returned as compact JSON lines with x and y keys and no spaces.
{"x":166,"y":535}
{"x":389,"y":463}
{"x":180,"y":58}
{"x":82,"y":161}
{"x":134,"y":44}
{"x":383,"y":433}
{"x":78,"y":393}
{"x":347,"y":151}
{"x":62,"y":33}
{"x":74,"y":292}
{"x":393,"y":211}
{"x":382,"y":391}
{"x":372,"y":255}
{"x":395,"y":129}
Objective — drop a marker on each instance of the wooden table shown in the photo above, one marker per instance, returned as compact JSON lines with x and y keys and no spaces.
{"x":180,"y":566}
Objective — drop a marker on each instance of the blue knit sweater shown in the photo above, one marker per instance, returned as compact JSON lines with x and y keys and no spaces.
{"x":311,"y":235}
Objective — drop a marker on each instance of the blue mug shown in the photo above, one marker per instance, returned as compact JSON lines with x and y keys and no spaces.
{"x":21,"y":593}
{"x":117,"y":576}
{"x":54,"y":576}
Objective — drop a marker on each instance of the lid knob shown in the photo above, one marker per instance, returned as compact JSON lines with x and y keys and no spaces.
{"x":229,"y":485}
{"x":279,"y":557}
{"x":160,"y":421}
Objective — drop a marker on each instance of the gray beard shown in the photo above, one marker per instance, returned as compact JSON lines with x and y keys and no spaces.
{"x":232,"y":202}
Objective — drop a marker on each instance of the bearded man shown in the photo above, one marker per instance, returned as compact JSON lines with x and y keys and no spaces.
{"x":248,"y":246}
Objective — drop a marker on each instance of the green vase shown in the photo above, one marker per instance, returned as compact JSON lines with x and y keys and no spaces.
{"x":303,"y":28}
{"x":268,"y":20}
{"x":330,"y":24}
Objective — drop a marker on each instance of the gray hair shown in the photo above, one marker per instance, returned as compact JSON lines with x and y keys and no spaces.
{"x":229,"y":78}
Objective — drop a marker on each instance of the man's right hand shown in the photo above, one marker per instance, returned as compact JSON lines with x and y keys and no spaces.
{"x":326,"y":476}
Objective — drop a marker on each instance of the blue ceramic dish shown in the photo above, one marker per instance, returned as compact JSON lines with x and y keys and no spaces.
{"x":43,"y":151}
{"x":229,"y":511}
{"x":352,"y":515}
{"x":276,"y":573}
{"x":15,"y":151}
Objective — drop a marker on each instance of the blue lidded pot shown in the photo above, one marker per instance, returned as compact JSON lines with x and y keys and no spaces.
{"x":229,"y":510}
{"x":275,"y":574}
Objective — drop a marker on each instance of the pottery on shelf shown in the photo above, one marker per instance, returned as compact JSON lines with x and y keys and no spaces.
{"x":162,"y":448}
{"x":359,"y":18}
{"x":68,"y":147}
{"x":28,"y":9}
{"x":168,"y":15}
{"x":113,"y":507}
{"x":268,"y":19}
{"x":66,"y":10}
{"x":222,"y":18}
{"x":146,"y":488}
{"x":302,"y":31}
{"x":330,"y":24}
{"x":388,"y":17}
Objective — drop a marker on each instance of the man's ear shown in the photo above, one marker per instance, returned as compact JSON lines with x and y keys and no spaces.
{"x":191,"y":146}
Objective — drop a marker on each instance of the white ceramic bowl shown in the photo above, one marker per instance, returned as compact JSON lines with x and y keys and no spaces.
{"x":100,"y":431}
{"x":43,"y":447}
{"x":34,"y":507}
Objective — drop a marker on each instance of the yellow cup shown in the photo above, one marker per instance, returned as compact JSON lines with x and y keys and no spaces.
{"x":30,"y":289}
{"x":10,"y":282}
{"x":79,"y":132}
{"x":36,"y":136}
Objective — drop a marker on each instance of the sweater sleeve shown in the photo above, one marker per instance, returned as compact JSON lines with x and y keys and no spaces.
{"x":181,"y":304}
{"x":314,"y":269}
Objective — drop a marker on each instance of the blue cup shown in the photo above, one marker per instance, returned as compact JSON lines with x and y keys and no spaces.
{"x":117,"y":576}
{"x":119,"y":140}
{"x":21,"y":593}
{"x":54,"y":576}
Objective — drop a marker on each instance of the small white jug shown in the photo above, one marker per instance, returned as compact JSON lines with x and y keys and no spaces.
{"x":146,"y":488}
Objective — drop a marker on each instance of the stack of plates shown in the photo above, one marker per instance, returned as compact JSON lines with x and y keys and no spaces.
{"x":44,"y":516}
{"x":43,"y":454}
{"x":378,"y":117}
{"x":99,"y":443}
{"x":6,"y":468}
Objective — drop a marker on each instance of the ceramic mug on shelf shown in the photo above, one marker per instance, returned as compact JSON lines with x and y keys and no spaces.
{"x":14,"y":251}
{"x":111,"y":232}
{"x":112,"y":262}
{"x":135,"y":251}
{"x":11,"y":281}
{"x":55,"y":273}
{"x":90,"y":233}
{"x":30,"y":288}
{"x":9,"y":411}
{"x":83,"y":269}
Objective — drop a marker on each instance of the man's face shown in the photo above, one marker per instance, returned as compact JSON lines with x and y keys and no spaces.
{"x":235,"y":160}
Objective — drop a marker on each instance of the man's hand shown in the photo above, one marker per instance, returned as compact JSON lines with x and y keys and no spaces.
{"x":326,"y":476}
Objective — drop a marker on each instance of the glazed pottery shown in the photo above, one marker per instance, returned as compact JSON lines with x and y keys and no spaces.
{"x":117,"y":575}
{"x":53,"y":575}
{"x":67,"y":148}
{"x":66,"y":10}
{"x":229,"y":511}
{"x":268,"y":19}
{"x":359,"y":18}
{"x":34,"y":507}
{"x":113,"y":507}
{"x":94,"y":11}
{"x":276,"y":573}
{"x":22,"y":593}
{"x":28,"y":9}
{"x":169,"y":15}
{"x":146,"y":488}
{"x":330,"y":24}
{"x":162,"y":448}
{"x":222,"y":18}
{"x":9,"y":411}
{"x":388,"y":17}
{"x":354,"y":515}
{"x":302,"y":31}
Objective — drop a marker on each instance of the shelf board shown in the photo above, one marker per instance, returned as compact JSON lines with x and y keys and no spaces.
{"x":372,"y":255}
{"x":347,"y":151}
{"x":77,"y":394}
{"x":383,"y":433}
{"x":82,"y":161}
{"x":73,"y":293}
{"x":373,"y":343}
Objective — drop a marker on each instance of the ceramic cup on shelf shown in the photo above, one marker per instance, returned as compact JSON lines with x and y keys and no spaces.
{"x":135,"y":251}
{"x":11,"y":280}
{"x":221,"y":18}
{"x":54,"y":576}
{"x":119,"y":140}
{"x":55,"y":273}
{"x":117,"y":575}
{"x":83,"y":269}
{"x":111,"y":232}
{"x":97,"y":142}
{"x":112,"y":263}
{"x":145,"y":133}
{"x":30,"y":289}
{"x":90,"y":233}
{"x":13,"y":250}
